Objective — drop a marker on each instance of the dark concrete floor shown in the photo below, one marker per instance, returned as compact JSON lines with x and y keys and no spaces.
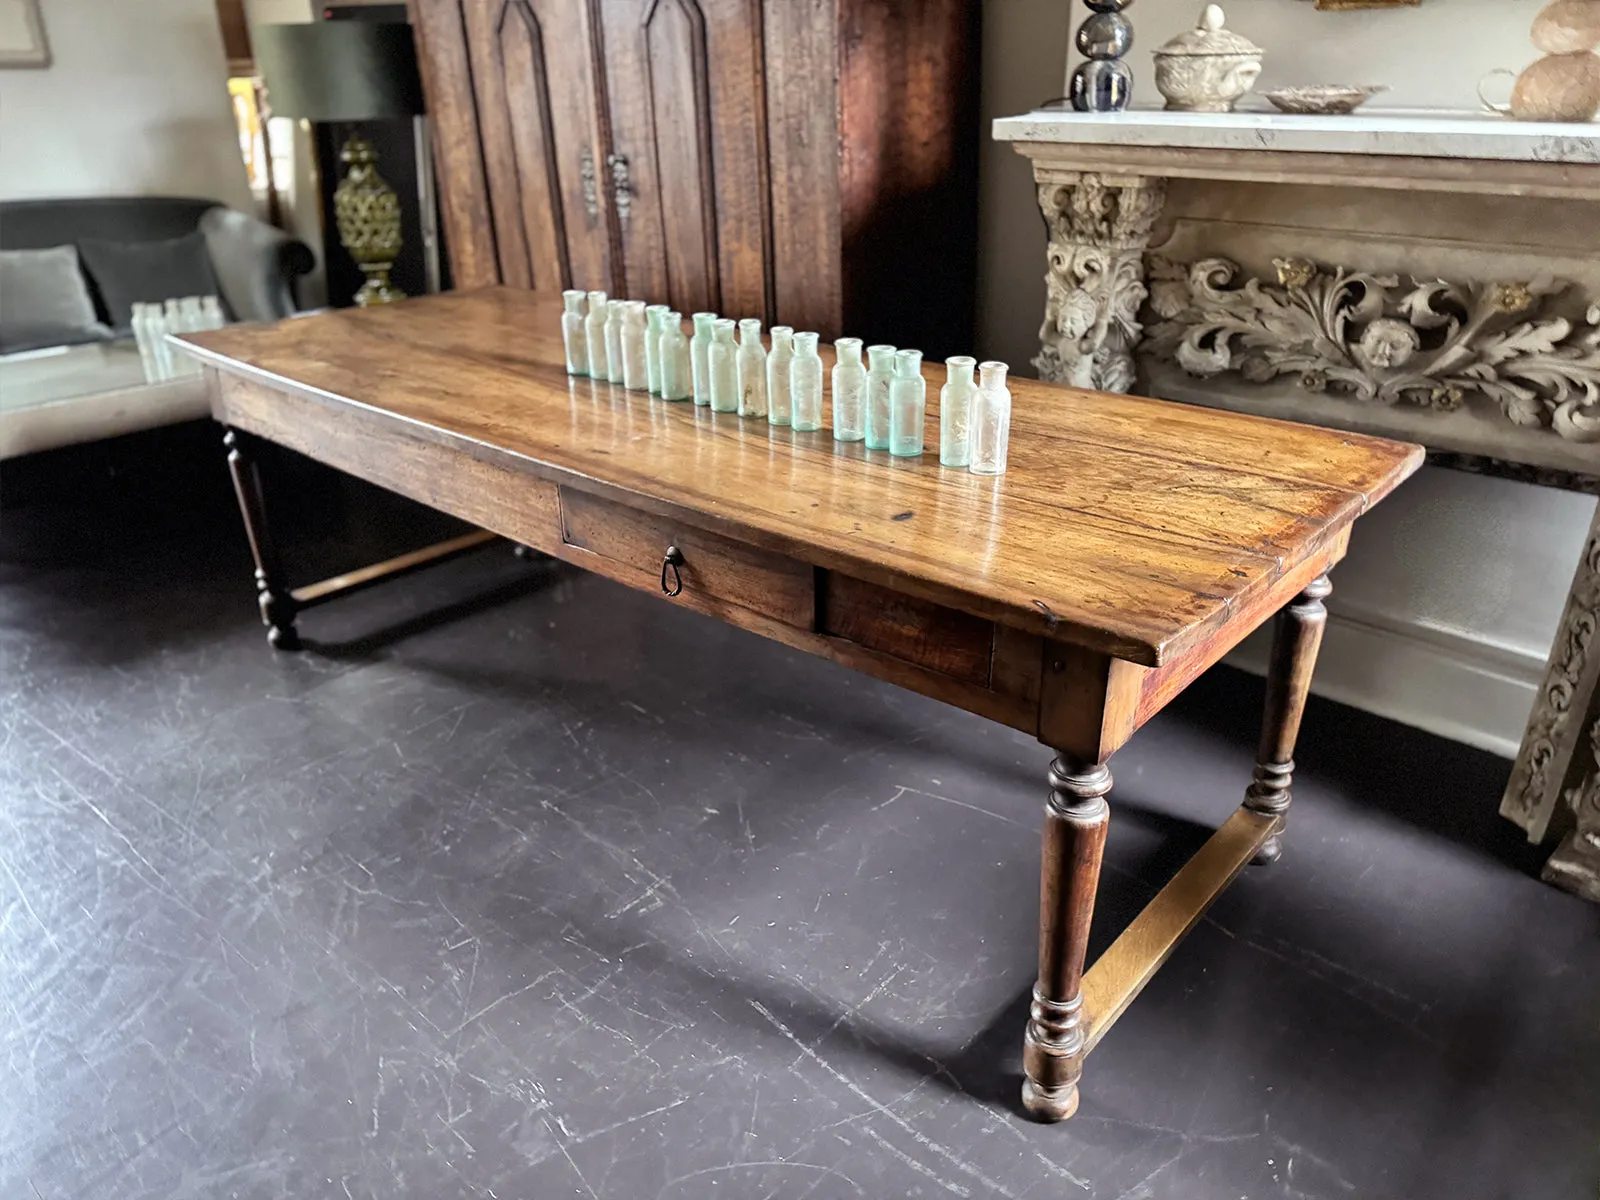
{"x":519,"y":885}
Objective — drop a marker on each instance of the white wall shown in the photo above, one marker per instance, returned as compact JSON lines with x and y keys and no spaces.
{"x":1444,"y":610}
{"x":134,"y":103}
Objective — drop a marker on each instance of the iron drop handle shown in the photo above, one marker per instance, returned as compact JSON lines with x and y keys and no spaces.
{"x":671,"y":581}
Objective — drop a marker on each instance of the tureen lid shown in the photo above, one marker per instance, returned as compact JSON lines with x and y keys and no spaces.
{"x":1209,"y":37}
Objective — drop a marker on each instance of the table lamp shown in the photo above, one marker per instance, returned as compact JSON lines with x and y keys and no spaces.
{"x":349,"y":71}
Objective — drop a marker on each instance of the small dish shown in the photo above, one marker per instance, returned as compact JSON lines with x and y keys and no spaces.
{"x":1326,"y":101}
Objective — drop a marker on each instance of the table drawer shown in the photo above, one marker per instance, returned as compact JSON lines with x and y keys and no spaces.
{"x":717,"y":575}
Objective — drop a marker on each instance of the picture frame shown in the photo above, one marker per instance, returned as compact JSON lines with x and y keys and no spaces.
{"x":22,"y":38}
{"x":1346,"y":5}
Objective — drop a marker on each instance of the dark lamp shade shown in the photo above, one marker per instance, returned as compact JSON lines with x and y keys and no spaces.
{"x":339,"y":70}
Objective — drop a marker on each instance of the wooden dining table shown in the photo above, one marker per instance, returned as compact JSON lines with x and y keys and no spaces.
{"x":1131,"y":544}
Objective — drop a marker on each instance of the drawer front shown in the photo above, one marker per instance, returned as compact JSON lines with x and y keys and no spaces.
{"x":719,"y":576}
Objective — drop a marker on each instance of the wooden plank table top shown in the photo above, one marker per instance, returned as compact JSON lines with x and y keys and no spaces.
{"x":1130,"y":545}
{"x":1128,"y":525}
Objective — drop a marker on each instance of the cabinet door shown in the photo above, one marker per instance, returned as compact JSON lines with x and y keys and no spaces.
{"x":689,"y":172}
{"x":539,"y":123}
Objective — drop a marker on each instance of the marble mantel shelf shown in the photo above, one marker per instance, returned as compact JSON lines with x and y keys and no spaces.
{"x":1428,"y":150}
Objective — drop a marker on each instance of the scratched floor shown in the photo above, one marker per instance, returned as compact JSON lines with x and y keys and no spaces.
{"x":522,"y":886}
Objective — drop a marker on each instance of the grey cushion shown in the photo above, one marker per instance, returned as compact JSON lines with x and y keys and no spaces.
{"x":128,"y":272}
{"x":44,"y":301}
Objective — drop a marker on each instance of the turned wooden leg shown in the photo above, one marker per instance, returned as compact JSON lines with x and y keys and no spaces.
{"x":277,"y":606}
{"x":1075,"y":818}
{"x":1295,"y":642}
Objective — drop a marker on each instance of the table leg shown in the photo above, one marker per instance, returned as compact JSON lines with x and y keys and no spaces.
{"x":1053,"y":1048}
{"x":1296,"y":639}
{"x":272,"y":592}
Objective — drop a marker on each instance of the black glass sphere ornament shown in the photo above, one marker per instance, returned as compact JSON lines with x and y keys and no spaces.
{"x":1103,"y":82}
{"x":1102,"y":85}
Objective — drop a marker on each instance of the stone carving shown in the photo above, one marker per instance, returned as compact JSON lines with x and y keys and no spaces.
{"x":1099,"y":228}
{"x":1370,"y":336}
{"x":1575,"y":865}
{"x":1549,"y":744}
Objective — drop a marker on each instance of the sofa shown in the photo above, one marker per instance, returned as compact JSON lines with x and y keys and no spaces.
{"x":70,"y":371}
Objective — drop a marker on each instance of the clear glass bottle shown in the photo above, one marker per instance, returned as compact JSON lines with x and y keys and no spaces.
{"x":699,"y":352}
{"x":614,"y":311}
{"x":594,"y":335}
{"x":144,"y":335}
{"x":849,"y":391}
{"x":991,"y":420}
{"x":778,"y":360}
{"x":572,"y":333}
{"x":634,"y":374}
{"x":677,"y":375}
{"x":908,"y":404}
{"x":211,"y":315}
{"x":955,"y":411}
{"x":805,"y":384}
{"x":880,"y":369}
{"x":752,"y":370}
{"x":652,"y":346}
{"x":722,"y":361}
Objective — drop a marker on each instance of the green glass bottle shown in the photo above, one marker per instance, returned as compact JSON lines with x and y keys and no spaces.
{"x":699,"y":356}
{"x":677,"y":375}
{"x":614,"y":341}
{"x":652,"y":345}
{"x":594,"y":335}
{"x":908,"y":404}
{"x":572,"y":333}
{"x":805,"y":383}
{"x":880,"y":369}
{"x":752,"y":369}
{"x":955,"y":411}
{"x":849,"y":391}
{"x":723,"y":361}
{"x":634,"y":375}
{"x":778,"y":360}
{"x":991,"y":421}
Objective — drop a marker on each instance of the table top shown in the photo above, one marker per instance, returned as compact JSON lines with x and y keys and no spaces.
{"x":1131,"y":525}
{"x":1416,"y":133}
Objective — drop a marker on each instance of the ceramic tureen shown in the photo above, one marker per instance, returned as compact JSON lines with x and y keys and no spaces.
{"x":1207,"y":68}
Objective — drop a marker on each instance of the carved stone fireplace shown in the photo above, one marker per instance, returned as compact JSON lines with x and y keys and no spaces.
{"x":1428,"y":278}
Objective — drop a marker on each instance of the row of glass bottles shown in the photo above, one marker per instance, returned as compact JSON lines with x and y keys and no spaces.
{"x":883,"y":403}
{"x":152,"y":322}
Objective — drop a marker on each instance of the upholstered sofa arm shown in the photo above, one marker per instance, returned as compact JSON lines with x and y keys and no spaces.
{"x":255,"y":264}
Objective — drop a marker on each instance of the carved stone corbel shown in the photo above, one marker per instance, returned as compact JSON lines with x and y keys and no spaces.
{"x":1099,"y":228}
{"x":1575,"y":865}
{"x":1559,"y":764}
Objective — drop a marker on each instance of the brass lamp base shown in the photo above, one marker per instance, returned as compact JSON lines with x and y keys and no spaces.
{"x":367,"y":212}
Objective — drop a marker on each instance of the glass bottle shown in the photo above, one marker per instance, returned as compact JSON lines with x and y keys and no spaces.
{"x":652,"y":346}
{"x":880,"y":369}
{"x":572,"y":333}
{"x":722,"y":362}
{"x":211,"y":313}
{"x":677,"y":376}
{"x":805,"y":384}
{"x":752,"y":370}
{"x":908,"y":404}
{"x":143,"y":335}
{"x":634,"y":374}
{"x":594,"y":334}
{"x":614,"y":311}
{"x":955,"y":411}
{"x":991,"y":420}
{"x":699,"y":350}
{"x":778,"y":402}
{"x":849,"y":391}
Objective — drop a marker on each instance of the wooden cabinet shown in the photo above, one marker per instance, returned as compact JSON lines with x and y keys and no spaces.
{"x":809,"y":162}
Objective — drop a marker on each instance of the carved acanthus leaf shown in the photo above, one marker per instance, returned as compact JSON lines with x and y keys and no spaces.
{"x":1368,"y":336}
